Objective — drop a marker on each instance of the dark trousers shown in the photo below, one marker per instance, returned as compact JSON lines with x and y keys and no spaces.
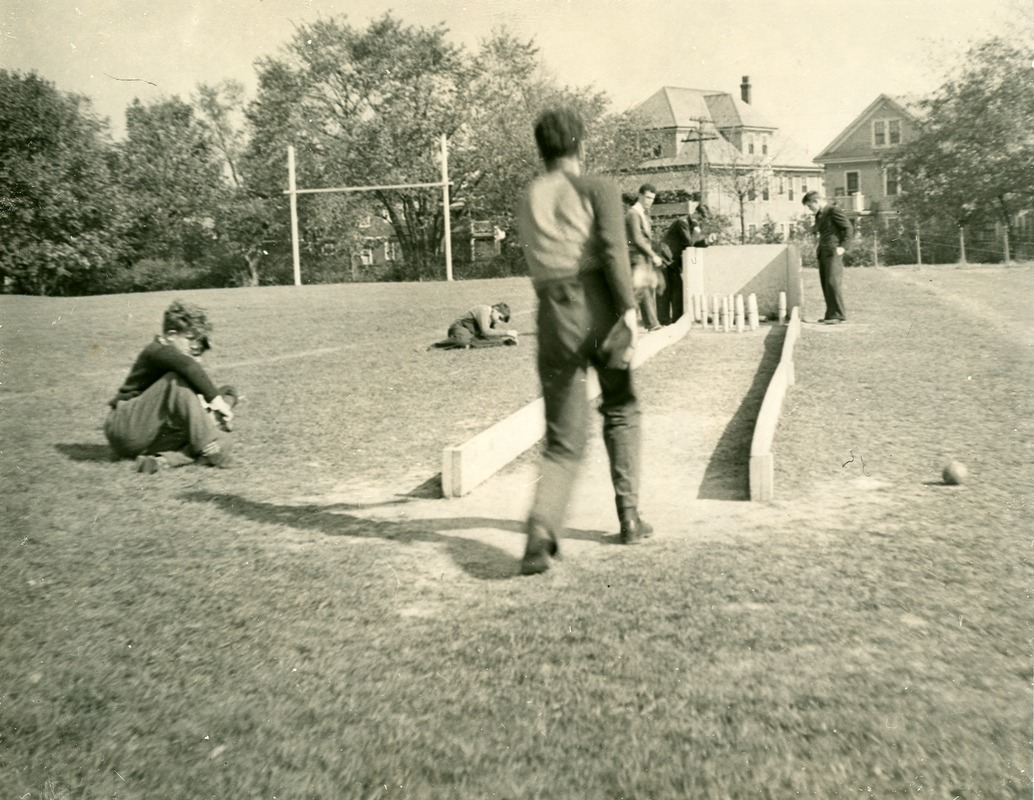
{"x":574,"y":317}
{"x":167,"y":419}
{"x":831,"y":277}
{"x":461,"y":334}
{"x":669,"y":302}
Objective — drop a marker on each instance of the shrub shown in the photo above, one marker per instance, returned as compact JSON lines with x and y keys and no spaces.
{"x":155,"y":275}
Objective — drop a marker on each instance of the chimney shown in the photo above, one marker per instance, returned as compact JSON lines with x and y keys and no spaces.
{"x":745,"y":89}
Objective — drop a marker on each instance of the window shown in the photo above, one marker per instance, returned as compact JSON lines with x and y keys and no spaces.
{"x":891,"y":181}
{"x":789,"y":189}
{"x":804,"y":187}
{"x":764,"y":145}
{"x":392,"y":251}
{"x":751,"y":193}
{"x":651,"y":146}
{"x":366,"y":256}
{"x":750,"y":144}
{"x":782,"y":185}
{"x":366,"y":221}
{"x":765,"y":193}
{"x":886,"y":132}
{"x":852,"y":182}
{"x":752,"y":231}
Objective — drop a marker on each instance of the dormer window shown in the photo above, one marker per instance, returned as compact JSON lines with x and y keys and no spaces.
{"x":886,"y":132}
{"x":651,"y":146}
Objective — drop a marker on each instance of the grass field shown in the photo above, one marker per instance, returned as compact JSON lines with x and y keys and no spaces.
{"x":207,"y":634}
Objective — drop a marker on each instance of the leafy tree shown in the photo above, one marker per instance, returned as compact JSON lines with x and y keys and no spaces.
{"x":61,"y":214}
{"x":744,"y":178}
{"x":489,"y":158}
{"x":769,"y":232}
{"x":368,"y":107}
{"x":220,"y":112}
{"x":365,"y":107}
{"x":245,"y":220}
{"x":171,"y":170}
{"x":974,"y":156}
{"x":493,"y":153}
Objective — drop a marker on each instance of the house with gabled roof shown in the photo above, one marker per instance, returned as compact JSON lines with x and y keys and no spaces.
{"x":721,"y":151}
{"x":859,"y":164}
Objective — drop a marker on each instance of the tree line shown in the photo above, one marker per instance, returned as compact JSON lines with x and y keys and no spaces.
{"x":193,"y":196}
{"x":972,"y":165}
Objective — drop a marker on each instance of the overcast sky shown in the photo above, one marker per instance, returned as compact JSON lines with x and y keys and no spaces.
{"x":814,"y":65}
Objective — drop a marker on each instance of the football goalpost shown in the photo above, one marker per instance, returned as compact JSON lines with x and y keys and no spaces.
{"x":294,"y":191}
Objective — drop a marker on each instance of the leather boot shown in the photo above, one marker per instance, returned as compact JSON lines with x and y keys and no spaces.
{"x":541,"y":545}
{"x":634,"y":529}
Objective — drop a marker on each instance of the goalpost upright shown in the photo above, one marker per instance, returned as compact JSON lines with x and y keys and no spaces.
{"x":294,"y":191}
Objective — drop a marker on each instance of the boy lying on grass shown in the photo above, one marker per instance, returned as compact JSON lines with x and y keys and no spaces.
{"x":482,"y":326}
{"x":168,"y":413}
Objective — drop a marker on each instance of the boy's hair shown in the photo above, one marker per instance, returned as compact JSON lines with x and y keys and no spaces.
{"x":183,"y":317}
{"x":647,"y":187}
{"x":558,"y":133}
{"x":504,"y":311}
{"x":808,"y":197}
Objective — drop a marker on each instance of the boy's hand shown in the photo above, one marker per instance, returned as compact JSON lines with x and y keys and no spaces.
{"x":223,"y":413}
{"x":631,"y":319}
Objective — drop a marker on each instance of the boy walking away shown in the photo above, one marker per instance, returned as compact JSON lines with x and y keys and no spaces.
{"x":572,"y":232}
{"x":168,"y":413}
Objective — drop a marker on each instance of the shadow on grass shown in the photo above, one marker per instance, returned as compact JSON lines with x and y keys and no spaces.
{"x":727,"y":476}
{"x":431,"y":489}
{"x":86,"y":452}
{"x":478,"y":559}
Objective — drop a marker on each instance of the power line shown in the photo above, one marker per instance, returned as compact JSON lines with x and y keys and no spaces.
{"x":702,"y":161}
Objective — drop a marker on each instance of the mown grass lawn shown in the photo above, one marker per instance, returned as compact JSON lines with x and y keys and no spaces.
{"x":193,"y":635}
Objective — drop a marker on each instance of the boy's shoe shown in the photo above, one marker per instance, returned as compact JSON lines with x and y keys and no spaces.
{"x":541,"y":545}
{"x":213,"y":455}
{"x":148,"y":465}
{"x":634,"y":529}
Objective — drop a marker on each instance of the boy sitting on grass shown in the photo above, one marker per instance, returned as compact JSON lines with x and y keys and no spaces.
{"x":168,"y":413}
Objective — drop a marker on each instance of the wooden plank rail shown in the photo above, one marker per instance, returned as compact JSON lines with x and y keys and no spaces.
{"x":762,"y":460}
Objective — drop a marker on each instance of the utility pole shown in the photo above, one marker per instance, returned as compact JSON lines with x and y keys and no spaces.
{"x":700,"y":138}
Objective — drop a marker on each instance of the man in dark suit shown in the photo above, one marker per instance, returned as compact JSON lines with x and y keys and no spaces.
{"x":833,"y":229}
{"x":684,"y":232}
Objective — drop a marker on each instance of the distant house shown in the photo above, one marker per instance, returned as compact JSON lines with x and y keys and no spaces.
{"x":719,"y":150}
{"x":858,"y":165}
{"x":379,"y":244}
